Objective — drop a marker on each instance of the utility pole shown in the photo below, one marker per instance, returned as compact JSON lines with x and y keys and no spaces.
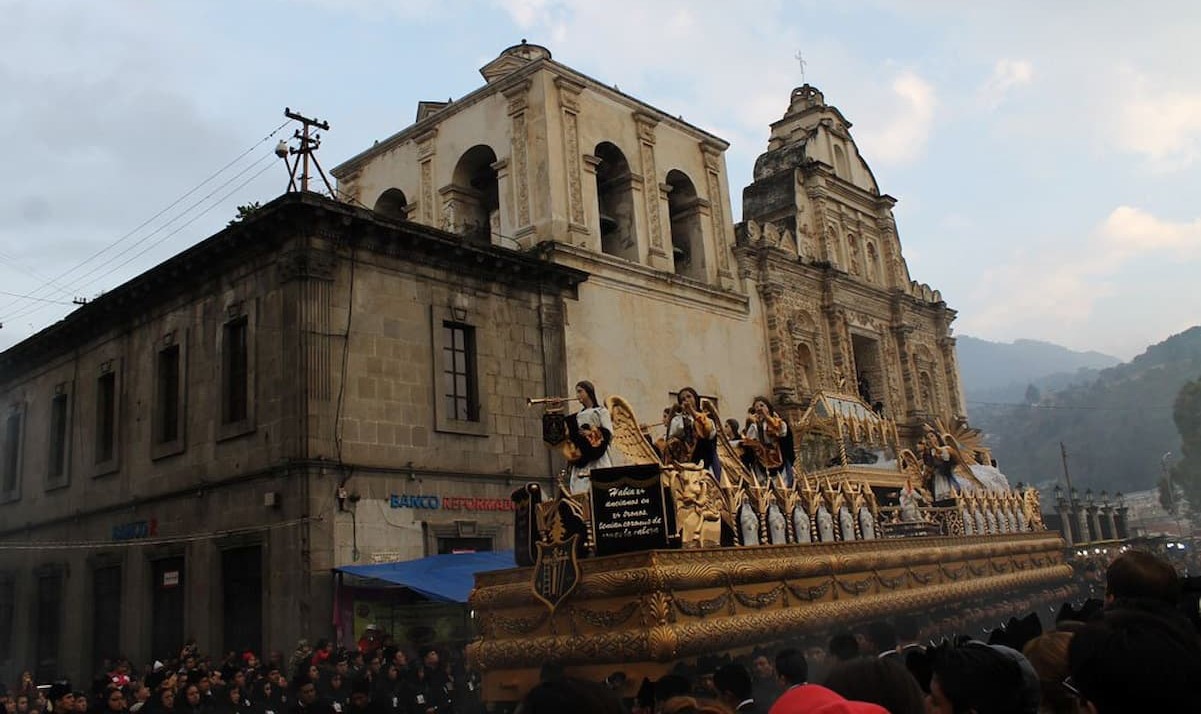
{"x":309,"y":143}
{"x":1173,"y":507}
{"x":1063,"y":450}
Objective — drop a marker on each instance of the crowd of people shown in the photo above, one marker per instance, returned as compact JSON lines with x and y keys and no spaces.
{"x":314,"y":680}
{"x":1135,"y":650}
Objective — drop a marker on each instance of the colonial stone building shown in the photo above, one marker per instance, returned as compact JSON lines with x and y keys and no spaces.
{"x":841,"y":311}
{"x":190,"y":455}
{"x":323,"y":385}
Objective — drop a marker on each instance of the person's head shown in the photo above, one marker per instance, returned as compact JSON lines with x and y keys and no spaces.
{"x":314,"y":672}
{"x":688,"y":399}
{"x":81,"y":702}
{"x":882,"y":635}
{"x":733,"y":429}
{"x":762,"y":407}
{"x":239,"y":679}
{"x":667,"y":412}
{"x":671,"y":685}
{"x":392,"y":672}
{"x":570,"y":695}
{"x":307,"y":692}
{"x":906,"y":628}
{"x":881,"y":680}
{"x":114,"y":701}
{"x":1138,"y":575}
{"x":62,"y":699}
{"x":192,"y":694}
{"x":166,"y":698}
{"x":335,"y":680}
{"x":586,"y":393}
{"x":1131,"y":660}
{"x":430,"y":658}
{"x":792,"y":667}
{"x":360,"y":693}
{"x":974,"y":678}
{"x":342,"y":666}
{"x":844,"y":646}
{"x":733,"y":683}
{"x":1048,"y":654}
{"x":762,"y":665}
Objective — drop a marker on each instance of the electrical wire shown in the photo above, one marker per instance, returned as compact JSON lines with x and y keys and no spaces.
{"x":142,"y":225}
{"x":30,"y":310}
{"x":142,"y":542}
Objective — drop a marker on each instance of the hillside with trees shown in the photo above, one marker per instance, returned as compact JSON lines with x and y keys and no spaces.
{"x":1116,"y":425}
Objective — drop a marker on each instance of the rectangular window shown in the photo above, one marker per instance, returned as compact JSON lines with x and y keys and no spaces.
{"x":106,"y":417}
{"x":59,"y":421}
{"x":459,"y":390}
{"x":235,"y":372}
{"x":8,"y":613}
{"x":167,"y":407}
{"x":12,"y":456}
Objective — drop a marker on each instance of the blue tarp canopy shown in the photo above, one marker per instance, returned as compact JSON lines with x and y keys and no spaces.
{"x":446,"y":578}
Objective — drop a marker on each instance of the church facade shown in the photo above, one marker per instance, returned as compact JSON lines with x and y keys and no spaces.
{"x":810,"y":291}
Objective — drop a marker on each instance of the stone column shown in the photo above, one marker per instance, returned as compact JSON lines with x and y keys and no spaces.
{"x":1065,"y":521}
{"x":1094,"y":524}
{"x":593,"y":228}
{"x":518,"y":96}
{"x":711,"y":154}
{"x":569,"y":105}
{"x":779,"y":347}
{"x":657,"y":256}
{"x":1081,"y":522}
{"x":425,"y":158}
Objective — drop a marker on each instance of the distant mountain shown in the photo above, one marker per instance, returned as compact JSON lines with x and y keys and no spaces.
{"x":1116,"y":425}
{"x":1001,"y":371}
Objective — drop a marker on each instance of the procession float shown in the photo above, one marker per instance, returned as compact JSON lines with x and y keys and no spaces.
{"x":690,"y":548}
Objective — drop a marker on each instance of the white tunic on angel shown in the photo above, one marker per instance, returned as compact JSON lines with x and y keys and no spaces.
{"x":748,"y":525}
{"x":777,"y":530}
{"x":846,"y":523}
{"x":591,"y":418}
{"x":800,"y":525}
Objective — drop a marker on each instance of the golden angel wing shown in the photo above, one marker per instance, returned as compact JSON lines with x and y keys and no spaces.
{"x":963,"y":459}
{"x":627,"y":437}
{"x":730,"y":463}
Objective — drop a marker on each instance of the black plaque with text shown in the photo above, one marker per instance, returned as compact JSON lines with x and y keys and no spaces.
{"x":631,"y":510}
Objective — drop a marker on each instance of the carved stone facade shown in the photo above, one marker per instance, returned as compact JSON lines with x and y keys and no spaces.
{"x":840,"y":309}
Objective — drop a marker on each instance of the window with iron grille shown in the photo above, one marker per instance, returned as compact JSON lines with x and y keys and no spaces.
{"x":459,"y":389}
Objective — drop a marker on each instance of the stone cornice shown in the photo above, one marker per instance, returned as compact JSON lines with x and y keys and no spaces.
{"x":560,"y":71}
{"x":643,"y":280}
{"x":292,"y":216}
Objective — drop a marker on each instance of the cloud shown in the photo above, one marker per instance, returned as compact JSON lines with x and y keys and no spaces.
{"x":1006,"y":75}
{"x":1052,"y":292}
{"x":904,"y":136}
{"x":1163,"y":125}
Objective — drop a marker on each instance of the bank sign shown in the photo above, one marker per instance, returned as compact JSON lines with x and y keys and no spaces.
{"x":449,"y":503}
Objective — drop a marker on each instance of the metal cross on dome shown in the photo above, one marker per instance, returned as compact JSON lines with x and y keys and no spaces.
{"x":801,"y":60}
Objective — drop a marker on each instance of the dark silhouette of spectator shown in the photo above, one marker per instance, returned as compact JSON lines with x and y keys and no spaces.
{"x":881,"y":636}
{"x":974,"y":677}
{"x":844,"y":646}
{"x":1136,"y":661}
{"x":733,"y":685}
{"x":882,"y":680}
{"x":571,"y":696}
{"x":1139,"y":577}
{"x":1048,"y":654}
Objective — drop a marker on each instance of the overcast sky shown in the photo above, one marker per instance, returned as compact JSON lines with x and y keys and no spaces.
{"x":1046,"y":156}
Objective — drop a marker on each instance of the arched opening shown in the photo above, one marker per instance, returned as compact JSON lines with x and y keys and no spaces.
{"x":392,"y":204}
{"x":853,"y":257}
{"x":873,"y":264}
{"x":804,"y":368}
{"x":471,"y":204}
{"x":615,"y":202}
{"x":687,"y":244}
{"x":926,"y":385}
{"x":840,"y":163}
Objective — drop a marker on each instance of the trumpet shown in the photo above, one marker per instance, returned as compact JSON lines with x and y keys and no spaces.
{"x":531,"y":401}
